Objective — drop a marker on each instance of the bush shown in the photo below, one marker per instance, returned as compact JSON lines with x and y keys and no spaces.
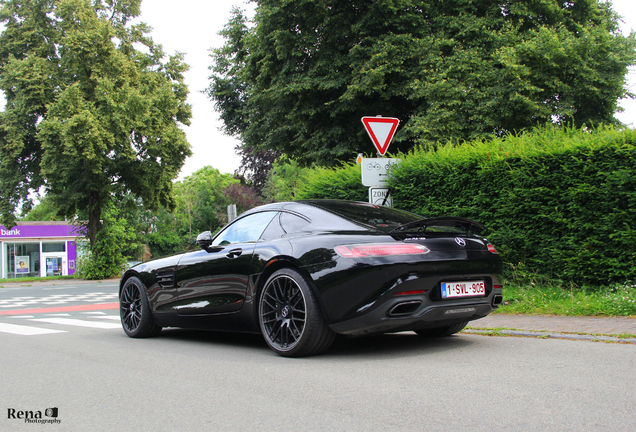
{"x":106,"y":259}
{"x":342,"y":183}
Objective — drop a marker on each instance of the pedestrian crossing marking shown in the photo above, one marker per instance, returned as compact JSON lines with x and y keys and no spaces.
{"x":26,"y":330}
{"x":78,"y":323}
{"x":58,"y":299}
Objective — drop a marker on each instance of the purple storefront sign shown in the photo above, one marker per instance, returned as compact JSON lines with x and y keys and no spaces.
{"x":23,"y":231}
{"x":72,"y":257}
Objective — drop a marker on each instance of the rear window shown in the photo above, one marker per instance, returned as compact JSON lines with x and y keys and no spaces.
{"x":368,"y":214}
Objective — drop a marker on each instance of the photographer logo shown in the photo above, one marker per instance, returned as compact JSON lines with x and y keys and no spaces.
{"x":47,"y":416}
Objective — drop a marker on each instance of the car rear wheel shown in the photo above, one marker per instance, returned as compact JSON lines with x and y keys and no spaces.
{"x":134,"y":310}
{"x":442,"y":331}
{"x":290,"y":318}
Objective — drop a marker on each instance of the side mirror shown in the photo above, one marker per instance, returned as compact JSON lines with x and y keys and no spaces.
{"x":204,"y":239}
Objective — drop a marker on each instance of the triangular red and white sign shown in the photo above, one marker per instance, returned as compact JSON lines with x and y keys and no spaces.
{"x":381,"y":131}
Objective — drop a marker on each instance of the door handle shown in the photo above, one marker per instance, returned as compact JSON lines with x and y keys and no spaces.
{"x":234,"y":253}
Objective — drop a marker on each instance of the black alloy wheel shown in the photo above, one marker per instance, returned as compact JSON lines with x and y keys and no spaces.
{"x":441,"y":331}
{"x":134,"y":310}
{"x":289,"y":316}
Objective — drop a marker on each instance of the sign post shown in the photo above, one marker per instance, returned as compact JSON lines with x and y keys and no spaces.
{"x":380,"y":196}
{"x":376,"y":171}
{"x":381,"y":131}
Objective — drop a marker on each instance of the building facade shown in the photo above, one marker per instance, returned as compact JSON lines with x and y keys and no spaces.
{"x":38,"y":249}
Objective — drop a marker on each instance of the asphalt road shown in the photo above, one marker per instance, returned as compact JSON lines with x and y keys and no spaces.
{"x":101,"y":380}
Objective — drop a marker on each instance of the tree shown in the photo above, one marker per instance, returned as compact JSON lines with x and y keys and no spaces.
{"x":256,"y":165}
{"x":45,"y":210}
{"x":301,"y":77}
{"x":284,"y":180}
{"x":106,"y":258}
{"x":201,"y":202}
{"x":89,"y":116}
{"x":243,"y":196}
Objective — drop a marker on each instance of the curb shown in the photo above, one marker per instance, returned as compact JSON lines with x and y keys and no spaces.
{"x":549,"y":335}
{"x":56,"y":282}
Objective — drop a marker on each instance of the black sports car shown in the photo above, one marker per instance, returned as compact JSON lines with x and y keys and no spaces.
{"x":302,"y":272}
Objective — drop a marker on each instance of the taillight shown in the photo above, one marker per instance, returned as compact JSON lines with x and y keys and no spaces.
{"x":491,"y":248}
{"x":381,"y":249}
{"x":401,"y":293}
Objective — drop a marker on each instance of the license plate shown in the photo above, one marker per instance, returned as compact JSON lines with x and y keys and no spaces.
{"x":463,"y":289}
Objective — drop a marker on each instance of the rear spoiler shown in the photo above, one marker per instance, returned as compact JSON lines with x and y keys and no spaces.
{"x":468,"y":225}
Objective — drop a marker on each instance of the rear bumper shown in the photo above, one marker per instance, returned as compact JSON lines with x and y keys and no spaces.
{"x":417,"y":312}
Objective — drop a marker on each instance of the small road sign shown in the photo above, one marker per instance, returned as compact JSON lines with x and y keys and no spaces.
{"x":381,"y":131}
{"x":375,"y":171}
{"x":380,"y":196}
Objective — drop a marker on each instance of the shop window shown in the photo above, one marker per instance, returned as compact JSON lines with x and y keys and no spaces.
{"x":54,"y":247}
{"x":23,"y":259}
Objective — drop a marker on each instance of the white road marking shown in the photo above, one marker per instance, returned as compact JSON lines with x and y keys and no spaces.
{"x":61,"y":288}
{"x":58,"y":299}
{"x":78,"y":323}
{"x":109,"y":317}
{"x":26,"y":330}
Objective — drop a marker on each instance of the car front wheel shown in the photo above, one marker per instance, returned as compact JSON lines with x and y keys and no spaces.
{"x":289,"y":316}
{"x":134,"y":310}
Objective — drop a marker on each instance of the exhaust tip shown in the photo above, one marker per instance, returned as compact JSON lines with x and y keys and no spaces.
{"x":497,"y":300}
{"x":404,"y":308}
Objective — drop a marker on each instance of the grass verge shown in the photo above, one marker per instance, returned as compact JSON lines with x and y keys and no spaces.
{"x":35,"y":279}
{"x":542,"y":299}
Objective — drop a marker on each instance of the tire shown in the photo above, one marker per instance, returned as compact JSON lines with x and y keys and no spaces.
{"x":441,"y":331}
{"x":134,"y":310}
{"x":290,"y":318}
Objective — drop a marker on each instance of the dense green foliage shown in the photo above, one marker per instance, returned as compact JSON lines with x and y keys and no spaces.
{"x":89,"y":116}
{"x":342,"y":183}
{"x":284,"y":180}
{"x":201,"y":203}
{"x":560,"y":201}
{"x":107,"y":257}
{"x":303,"y":75}
{"x":45,"y":210}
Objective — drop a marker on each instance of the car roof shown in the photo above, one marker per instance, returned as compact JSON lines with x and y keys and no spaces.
{"x":342,"y":215}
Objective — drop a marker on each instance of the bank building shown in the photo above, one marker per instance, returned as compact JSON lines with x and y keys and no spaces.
{"x":38,"y":249}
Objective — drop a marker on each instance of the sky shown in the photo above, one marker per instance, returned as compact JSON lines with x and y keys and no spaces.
{"x":192,"y":26}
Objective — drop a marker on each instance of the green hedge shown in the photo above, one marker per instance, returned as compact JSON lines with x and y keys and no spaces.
{"x":344,"y":183}
{"x":560,"y":202}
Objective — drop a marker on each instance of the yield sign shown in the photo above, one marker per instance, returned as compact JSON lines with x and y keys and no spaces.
{"x":381,"y":131}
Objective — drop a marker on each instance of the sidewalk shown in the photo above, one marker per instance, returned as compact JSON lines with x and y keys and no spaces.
{"x":563,"y":327}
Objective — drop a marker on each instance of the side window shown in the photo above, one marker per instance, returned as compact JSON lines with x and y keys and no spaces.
{"x":292,"y":223}
{"x":245,"y":230}
{"x":273,"y":230}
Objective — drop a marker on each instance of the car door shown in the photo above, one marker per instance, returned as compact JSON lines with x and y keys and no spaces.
{"x":215,"y":279}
